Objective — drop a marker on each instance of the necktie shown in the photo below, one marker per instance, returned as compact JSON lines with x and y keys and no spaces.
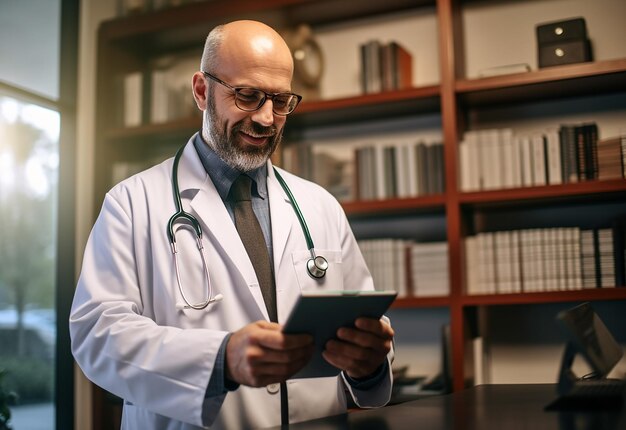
{"x":253,"y":240}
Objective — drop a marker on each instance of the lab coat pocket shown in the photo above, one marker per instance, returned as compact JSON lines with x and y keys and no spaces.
{"x":333,"y":280}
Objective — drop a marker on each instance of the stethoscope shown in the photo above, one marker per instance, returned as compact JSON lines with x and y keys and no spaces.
{"x":316,"y":265}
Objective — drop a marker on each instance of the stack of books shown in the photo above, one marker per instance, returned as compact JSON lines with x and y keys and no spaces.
{"x":412,"y":269}
{"x":498,"y":158}
{"x":399,"y":171}
{"x":385,"y":67}
{"x":548,"y":259}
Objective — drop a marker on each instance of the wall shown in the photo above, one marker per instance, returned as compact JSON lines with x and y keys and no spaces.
{"x":92,"y":13}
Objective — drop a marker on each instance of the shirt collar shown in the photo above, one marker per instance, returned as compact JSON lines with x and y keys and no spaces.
{"x":224,"y":175}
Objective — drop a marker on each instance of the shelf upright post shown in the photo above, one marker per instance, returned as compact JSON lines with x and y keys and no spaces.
{"x":451,"y":64}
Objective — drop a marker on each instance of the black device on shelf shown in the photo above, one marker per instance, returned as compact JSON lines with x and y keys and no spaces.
{"x":563,"y":42}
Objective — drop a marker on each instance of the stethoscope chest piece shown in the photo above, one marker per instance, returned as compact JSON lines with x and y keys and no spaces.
{"x":317,"y":266}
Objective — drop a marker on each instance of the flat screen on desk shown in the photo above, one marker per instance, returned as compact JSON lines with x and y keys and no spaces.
{"x":322,"y":314}
{"x":593,"y":340}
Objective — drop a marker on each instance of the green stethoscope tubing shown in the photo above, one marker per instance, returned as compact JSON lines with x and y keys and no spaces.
{"x":316,"y":265}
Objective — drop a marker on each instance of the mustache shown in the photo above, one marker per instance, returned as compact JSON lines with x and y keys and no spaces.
{"x":255,"y":129}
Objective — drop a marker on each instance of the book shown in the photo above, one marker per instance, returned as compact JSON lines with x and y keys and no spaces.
{"x":553,"y":152}
{"x":569,"y":153}
{"x":609,"y":153}
{"x":402,"y":66}
{"x":539,"y":159}
{"x":133,"y":99}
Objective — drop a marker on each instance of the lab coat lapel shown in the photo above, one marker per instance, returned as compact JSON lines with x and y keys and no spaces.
{"x":217,"y":226}
{"x":283,"y":219}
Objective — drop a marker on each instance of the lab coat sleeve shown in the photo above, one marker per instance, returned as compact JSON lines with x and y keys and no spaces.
{"x":161,"y":368}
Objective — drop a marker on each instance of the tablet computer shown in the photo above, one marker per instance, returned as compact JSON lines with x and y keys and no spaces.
{"x":321,"y":314}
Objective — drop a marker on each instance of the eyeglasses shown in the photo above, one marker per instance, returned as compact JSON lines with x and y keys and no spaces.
{"x":250,"y":99}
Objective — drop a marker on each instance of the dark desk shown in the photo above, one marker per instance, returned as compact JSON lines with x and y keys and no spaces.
{"x":489,"y":407}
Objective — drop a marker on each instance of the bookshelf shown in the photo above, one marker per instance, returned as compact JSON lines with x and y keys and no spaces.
{"x":129,"y":44}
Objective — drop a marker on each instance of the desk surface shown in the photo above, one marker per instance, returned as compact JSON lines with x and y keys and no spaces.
{"x":487,"y":407}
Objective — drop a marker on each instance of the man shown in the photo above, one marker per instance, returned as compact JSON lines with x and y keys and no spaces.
{"x":142,"y":325}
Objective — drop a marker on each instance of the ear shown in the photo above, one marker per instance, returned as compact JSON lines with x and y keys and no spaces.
{"x":199,"y":87}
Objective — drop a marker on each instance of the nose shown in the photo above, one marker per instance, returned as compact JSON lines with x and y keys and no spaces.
{"x":264,"y":115}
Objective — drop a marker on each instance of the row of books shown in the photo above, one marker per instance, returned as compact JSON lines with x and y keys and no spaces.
{"x":399,"y":171}
{"x":410,"y":268}
{"x":498,"y":158}
{"x":549,"y":259}
{"x":370,"y":172}
{"x":385,"y":66}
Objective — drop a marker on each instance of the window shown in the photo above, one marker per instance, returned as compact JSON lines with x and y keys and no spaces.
{"x":36,"y":130}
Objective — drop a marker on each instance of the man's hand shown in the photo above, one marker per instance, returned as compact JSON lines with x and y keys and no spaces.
{"x":260,"y":354}
{"x":361,"y":350}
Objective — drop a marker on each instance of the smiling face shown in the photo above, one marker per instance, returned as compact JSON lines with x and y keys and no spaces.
{"x":250,"y":55}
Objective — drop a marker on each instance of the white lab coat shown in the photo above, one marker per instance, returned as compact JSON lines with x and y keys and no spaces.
{"x":131,"y":336}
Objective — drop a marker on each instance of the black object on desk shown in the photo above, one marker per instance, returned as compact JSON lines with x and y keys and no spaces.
{"x":588,"y":336}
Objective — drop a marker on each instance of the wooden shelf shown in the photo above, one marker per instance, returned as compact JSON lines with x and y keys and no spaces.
{"x":183,"y":126}
{"x":430,"y":203}
{"x":421,"y":302}
{"x":174,"y":27}
{"x":546,"y":297}
{"x":366,"y":107}
{"x":559,"y":81}
{"x":615,"y":188}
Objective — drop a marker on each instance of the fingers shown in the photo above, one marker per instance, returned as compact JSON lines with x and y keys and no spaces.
{"x":260,"y":354}
{"x":272,"y":337}
{"x":361,"y":350}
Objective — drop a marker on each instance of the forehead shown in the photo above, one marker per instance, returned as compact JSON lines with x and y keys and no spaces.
{"x":258,"y":61}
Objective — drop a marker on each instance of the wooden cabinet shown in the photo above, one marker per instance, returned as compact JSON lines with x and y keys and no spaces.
{"x":132,"y":44}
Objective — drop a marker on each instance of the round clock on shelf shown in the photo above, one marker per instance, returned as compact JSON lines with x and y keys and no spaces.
{"x":308,"y":61}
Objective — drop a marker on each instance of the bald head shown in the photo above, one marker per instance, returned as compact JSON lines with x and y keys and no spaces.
{"x":241,"y":47}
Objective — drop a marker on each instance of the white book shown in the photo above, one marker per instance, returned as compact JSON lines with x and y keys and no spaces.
{"x":159,"y":103}
{"x":475,"y":161}
{"x":509,"y":160}
{"x":540,"y":258}
{"x":577,"y":275}
{"x":550,"y":259}
{"x":399,"y":250}
{"x":516,"y":275}
{"x":471,"y":265}
{"x":503,"y":263}
{"x":562,"y":257}
{"x":553,"y":149}
{"x":491,"y":158}
{"x":133,"y":96}
{"x":488,"y":243}
{"x":527,"y":167}
{"x":517,"y":161}
{"x":527,"y":267}
{"x":539,"y":159}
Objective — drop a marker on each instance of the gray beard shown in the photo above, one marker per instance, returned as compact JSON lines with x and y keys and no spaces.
{"x":229,"y":149}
